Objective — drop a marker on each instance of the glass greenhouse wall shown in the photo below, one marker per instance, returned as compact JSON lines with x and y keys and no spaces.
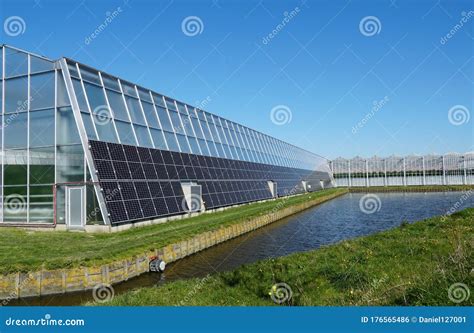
{"x":72,"y":133}
{"x":449,"y":169}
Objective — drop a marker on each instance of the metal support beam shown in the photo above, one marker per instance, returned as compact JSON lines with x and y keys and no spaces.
{"x":84,"y":139}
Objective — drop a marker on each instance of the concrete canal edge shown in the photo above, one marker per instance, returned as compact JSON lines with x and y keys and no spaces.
{"x":48,"y":282}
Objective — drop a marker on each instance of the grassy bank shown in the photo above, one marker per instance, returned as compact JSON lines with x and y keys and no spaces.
{"x":413,"y":188}
{"x":410,"y":265}
{"x":24,"y":250}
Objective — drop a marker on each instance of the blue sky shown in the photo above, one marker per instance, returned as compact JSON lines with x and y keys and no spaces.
{"x":349,"y":90}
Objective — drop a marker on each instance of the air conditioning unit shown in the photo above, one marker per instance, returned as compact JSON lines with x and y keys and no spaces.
{"x":193,"y":197}
{"x":273,"y":188}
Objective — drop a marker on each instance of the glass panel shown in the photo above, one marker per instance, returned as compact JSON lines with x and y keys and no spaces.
{"x":212,"y":149}
{"x":117,"y":105}
{"x":86,"y":118}
{"x":80,"y":96}
{"x":143,"y":137}
{"x":16,"y":63}
{"x":220,"y":150}
{"x":93,"y":213}
{"x":150,"y":115}
{"x":197,"y":128}
{"x":144,"y":95}
{"x":187,"y":125}
{"x":89,"y":74}
{"x":134,"y":110}
{"x":205,"y":130}
{"x":15,"y":168}
{"x":16,"y":95}
{"x":164,"y":120}
{"x":40,"y":65}
{"x":203,"y":146}
{"x":171,"y":140}
{"x":62,"y":98}
{"x":183,"y":144}
{"x":72,"y":69}
{"x":125,"y":132}
{"x":42,"y":91}
{"x":181,"y":108}
{"x":42,"y":165}
{"x":67,"y":129}
{"x":42,"y":128}
{"x":15,"y":129}
{"x":194,"y":145}
{"x":158,"y":138}
{"x":105,"y":128}
{"x":177,"y":127}
{"x":70,"y":164}
{"x":170,"y":104}
{"x":95,"y":96}
{"x":41,"y":204}
{"x":129,"y":89}
{"x":158,"y":99}
{"x":110,"y":82}
{"x":15,"y":204}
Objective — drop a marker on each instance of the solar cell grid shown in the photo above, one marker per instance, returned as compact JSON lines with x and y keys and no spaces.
{"x":116,"y":152}
{"x":133,"y":173}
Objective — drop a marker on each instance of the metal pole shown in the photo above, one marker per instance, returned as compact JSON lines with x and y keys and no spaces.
{"x":349,"y":166}
{"x":424,"y":171}
{"x":465,"y":171}
{"x":367,"y":172}
{"x":444,"y":170}
{"x":404,"y":173}
{"x":385,"y":171}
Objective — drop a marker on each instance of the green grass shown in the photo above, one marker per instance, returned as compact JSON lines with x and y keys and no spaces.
{"x":410,"y":265}
{"x":413,"y":188}
{"x":25,"y":250}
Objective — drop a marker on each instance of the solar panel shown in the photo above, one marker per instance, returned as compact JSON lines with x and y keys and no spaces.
{"x":142,"y":183}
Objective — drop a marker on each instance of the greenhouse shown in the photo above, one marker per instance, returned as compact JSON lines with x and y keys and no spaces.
{"x":82,"y":147}
{"x":449,"y":169}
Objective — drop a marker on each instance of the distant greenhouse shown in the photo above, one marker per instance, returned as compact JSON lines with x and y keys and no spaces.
{"x":82,"y":147}
{"x":449,"y":169}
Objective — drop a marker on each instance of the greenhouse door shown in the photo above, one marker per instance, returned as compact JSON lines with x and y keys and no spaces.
{"x":75,"y":207}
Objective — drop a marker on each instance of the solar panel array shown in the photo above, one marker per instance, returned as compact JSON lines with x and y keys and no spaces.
{"x":142,"y":183}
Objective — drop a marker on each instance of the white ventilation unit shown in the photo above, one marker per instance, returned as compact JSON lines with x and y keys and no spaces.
{"x":273,"y":188}
{"x":193,"y":197}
